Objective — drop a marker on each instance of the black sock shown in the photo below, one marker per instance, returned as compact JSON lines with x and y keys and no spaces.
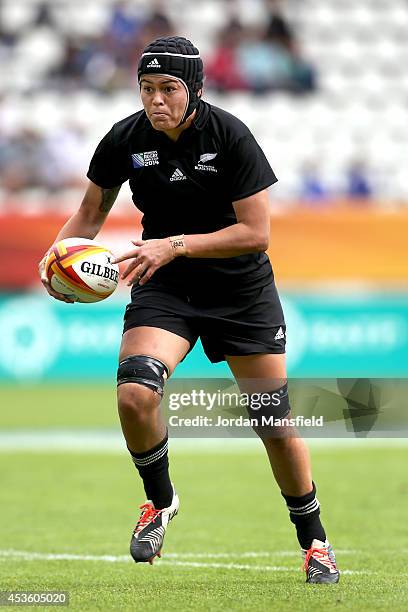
{"x":304,"y":513}
{"x":153,"y":467}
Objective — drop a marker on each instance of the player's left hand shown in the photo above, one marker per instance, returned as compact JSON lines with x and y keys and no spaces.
{"x":147,"y":257}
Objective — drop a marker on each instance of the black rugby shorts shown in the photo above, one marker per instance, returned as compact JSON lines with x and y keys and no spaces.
{"x":242,"y":322}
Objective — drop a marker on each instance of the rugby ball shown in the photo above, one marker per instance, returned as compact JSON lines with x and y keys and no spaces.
{"x":82,"y":270}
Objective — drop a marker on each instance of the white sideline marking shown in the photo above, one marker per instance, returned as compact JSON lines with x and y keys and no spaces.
{"x":111,"y":441}
{"x":246,"y":555}
{"x":35,"y":556}
{"x":258,"y":568}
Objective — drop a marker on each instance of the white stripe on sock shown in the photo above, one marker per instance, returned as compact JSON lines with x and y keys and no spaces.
{"x":140,"y":462}
{"x":306,"y":508}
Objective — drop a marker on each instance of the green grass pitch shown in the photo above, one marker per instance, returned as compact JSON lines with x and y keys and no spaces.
{"x":231,"y":547}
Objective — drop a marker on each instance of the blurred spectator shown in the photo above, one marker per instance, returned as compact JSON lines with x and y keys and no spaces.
{"x":312,"y":187}
{"x":278,"y":30}
{"x":43,"y":17}
{"x":303,"y":78}
{"x":267,"y":66}
{"x":69,"y":72}
{"x":122,"y":34}
{"x":102,"y":72}
{"x":7,"y":38}
{"x":108,"y":62}
{"x":259,"y":60}
{"x":358,"y":184}
{"x":124,"y":25}
{"x":20,"y":159}
{"x":29,"y":159}
{"x":223,"y":71}
{"x":158,"y":24}
{"x":63,"y":158}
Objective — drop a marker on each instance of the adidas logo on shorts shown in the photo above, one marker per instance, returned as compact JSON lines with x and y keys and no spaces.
{"x":279,"y":334}
{"x":153,"y":64}
{"x":178,"y":175}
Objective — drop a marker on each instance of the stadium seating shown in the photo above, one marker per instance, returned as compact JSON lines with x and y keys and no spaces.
{"x":359,"y":111}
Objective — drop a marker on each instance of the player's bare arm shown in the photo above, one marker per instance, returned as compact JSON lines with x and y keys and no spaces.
{"x":84,"y":223}
{"x":108,"y":198}
{"x":249,"y":235}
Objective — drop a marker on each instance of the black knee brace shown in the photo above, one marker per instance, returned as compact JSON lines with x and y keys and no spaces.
{"x":145,"y":370}
{"x":269,"y":404}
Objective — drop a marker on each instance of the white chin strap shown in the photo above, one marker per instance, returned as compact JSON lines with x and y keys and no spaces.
{"x":188,"y":100}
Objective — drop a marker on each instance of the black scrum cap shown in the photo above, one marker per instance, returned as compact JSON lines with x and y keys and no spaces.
{"x":177,"y":57}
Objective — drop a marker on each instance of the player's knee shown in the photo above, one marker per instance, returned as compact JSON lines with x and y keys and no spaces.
{"x":140,"y":386}
{"x":269,"y":411}
{"x":269,"y":406}
{"x":136,"y":402}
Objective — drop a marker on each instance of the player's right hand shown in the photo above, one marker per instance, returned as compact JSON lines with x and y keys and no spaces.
{"x":43,"y":276}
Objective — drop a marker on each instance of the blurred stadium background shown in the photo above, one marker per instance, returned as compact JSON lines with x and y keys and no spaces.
{"x":324,"y":87}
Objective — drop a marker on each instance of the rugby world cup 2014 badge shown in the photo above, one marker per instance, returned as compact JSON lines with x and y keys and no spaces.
{"x":147,"y":158}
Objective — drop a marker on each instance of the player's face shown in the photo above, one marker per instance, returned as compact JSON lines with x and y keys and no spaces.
{"x":164,"y":100}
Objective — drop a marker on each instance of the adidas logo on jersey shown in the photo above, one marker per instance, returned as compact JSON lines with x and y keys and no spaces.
{"x":177,"y":175}
{"x":153,"y":64}
{"x":279,"y":334}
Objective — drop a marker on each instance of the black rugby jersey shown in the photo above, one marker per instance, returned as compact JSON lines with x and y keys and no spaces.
{"x":187,"y":187}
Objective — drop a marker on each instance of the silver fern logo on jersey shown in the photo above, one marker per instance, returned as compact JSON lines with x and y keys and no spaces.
{"x":147,"y":158}
{"x":202,"y":162}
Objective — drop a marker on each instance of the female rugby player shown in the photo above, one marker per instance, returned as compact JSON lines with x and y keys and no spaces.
{"x":200,"y":270}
